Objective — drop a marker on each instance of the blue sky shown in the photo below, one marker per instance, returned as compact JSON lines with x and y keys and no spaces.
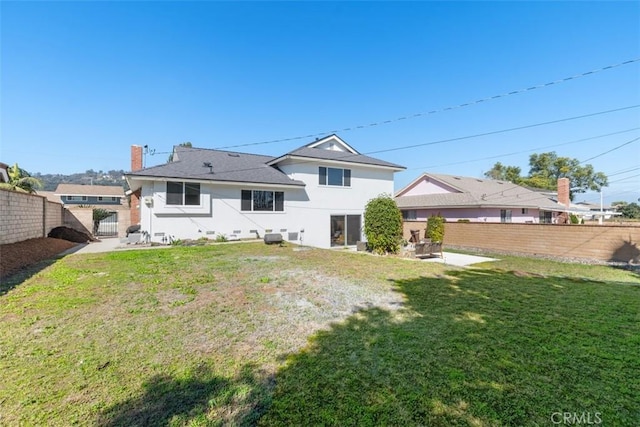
{"x":83,"y":81}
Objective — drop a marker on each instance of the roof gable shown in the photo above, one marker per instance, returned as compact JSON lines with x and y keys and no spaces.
{"x":333,"y":149}
{"x":332,"y":143}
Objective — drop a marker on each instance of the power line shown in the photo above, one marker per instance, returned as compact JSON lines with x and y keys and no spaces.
{"x":466,"y":104}
{"x":526,"y":151}
{"x":504,"y":130}
{"x":346,"y":156}
{"x":613,"y":149}
{"x":624,"y":171}
{"x":624,"y":179}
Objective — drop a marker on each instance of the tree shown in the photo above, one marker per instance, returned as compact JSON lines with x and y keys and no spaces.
{"x":383,"y":225}
{"x":630,"y":210}
{"x":435,"y":228}
{"x":20,"y":180}
{"x":546,"y":168}
{"x":98,"y":215}
{"x":504,"y":173}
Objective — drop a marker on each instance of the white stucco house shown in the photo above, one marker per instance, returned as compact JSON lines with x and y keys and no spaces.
{"x":314,"y":195}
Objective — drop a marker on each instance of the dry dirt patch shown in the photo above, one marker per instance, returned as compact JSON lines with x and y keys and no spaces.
{"x":16,"y":256}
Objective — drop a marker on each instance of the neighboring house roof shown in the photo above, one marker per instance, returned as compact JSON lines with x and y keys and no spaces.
{"x":50,"y":195}
{"x":89,"y":190}
{"x":476,"y":193}
{"x":593,"y":206}
{"x":225,"y":166}
{"x":347,"y":155}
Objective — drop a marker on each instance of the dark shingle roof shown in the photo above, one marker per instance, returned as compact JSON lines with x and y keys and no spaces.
{"x":226,"y":166}
{"x":321,"y":154}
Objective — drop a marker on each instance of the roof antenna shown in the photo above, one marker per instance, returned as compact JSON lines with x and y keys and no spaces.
{"x":208,"y":165}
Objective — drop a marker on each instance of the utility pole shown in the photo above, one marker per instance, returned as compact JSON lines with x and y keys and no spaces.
{"x":601,"y":208}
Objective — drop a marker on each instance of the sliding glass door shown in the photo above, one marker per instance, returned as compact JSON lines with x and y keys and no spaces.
{"x":345,"y":230}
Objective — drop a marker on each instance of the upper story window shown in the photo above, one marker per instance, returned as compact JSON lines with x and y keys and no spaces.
{"x":262,"y":201}
{"x":334,"y":176}
{"x":76,"y":198}
{"x":183,"y":193}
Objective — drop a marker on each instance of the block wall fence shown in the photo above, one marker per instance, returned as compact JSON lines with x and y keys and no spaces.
{"x":27,"y":216}
{"x":618,"y":243}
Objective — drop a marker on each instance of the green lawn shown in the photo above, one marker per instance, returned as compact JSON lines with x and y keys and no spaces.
{"x":246,"y":334}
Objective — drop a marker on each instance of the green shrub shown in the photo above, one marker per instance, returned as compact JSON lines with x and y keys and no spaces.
{"x":435,"y":228}
{"x":220,"y":238}
{"x":574,"y":219}
{"x":383,"y":225}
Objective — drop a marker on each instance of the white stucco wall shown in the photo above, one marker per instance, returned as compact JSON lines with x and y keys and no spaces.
{"x":314,"y":215}
{"x":306,"y":208}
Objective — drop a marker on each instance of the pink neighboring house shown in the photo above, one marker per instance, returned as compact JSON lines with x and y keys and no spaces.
{"x":475,"y":199}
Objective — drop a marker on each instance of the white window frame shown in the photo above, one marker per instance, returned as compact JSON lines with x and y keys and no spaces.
{"x":183,"y":194}
{"x":277,"y":201}
{"x":325,"y":172}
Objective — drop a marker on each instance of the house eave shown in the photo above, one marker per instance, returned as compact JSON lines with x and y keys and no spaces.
{"x":133,"y":178}
{"x":303,"y":159}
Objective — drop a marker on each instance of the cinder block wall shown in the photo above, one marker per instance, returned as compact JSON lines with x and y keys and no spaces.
{"x":592,"y":242}
{"x":80,"y":219}
{"x":26,"y":216}
{"x":54,"y":216}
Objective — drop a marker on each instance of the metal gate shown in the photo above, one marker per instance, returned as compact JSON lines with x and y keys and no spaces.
{"x":108,"y":226}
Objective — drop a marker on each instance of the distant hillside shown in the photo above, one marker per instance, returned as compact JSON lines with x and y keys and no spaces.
{"x":112,"y":177}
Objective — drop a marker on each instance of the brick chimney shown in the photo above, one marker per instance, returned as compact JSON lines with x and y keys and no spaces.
{"x":564,"y":198}
{"x":136,"y":165}
{"x":136,"y":158}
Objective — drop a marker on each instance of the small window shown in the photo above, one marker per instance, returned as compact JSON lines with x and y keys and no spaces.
{"x":100,"y":198}
{"x":322,"y":174}
{"x":191,"y":194}
{"x":545,"y":217}
{"x":181,"y":193}
{"x":525,"y":211}
{"x":334,"y":176}
{"x":409,"y":215}
{"x":262,"y":201}
{"x":245,"y":204}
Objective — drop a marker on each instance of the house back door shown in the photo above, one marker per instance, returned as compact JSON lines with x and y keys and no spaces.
{"x":345,"y":230}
